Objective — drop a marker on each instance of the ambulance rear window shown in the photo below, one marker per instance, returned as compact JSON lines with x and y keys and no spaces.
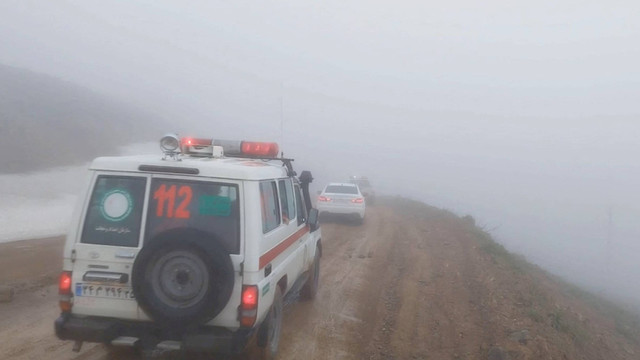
{"x":210,"y":207}
{"x":115,"y":211}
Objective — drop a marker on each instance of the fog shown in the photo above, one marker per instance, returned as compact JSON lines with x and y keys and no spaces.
{"x":525,"y":115}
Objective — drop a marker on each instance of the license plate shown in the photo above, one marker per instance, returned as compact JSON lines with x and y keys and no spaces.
{"x":104,"y":291}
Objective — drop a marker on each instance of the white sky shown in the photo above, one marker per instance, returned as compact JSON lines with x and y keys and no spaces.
{"x":554,"y":58}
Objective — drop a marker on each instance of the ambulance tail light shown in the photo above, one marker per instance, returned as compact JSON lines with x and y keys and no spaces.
{"x":64,"y":289}
{"x":249,"y":305}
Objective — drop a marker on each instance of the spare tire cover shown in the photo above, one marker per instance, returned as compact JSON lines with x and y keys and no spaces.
{"x":182,"y":277}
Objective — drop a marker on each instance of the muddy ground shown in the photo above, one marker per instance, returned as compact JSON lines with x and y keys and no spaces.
{"x":413,"y":282}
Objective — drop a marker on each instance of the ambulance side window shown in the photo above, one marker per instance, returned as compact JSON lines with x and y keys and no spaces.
{"x":269,"y":205}
{"x":286,"y":200}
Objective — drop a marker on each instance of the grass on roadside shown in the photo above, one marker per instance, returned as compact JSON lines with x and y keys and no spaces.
{"x":626,"y":323}
{"x":538,"y":303}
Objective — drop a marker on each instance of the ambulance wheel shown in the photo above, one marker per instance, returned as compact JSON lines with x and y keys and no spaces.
{"x":310,"y":288}
{"x":269,"y":333}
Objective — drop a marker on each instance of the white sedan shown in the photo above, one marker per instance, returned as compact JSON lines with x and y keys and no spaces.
{"x":342,"y":199}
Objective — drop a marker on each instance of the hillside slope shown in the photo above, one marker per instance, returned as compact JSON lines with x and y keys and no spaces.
{"x":46,"y":122}
{"x":517,"y":310}
{"x":414,"y":282}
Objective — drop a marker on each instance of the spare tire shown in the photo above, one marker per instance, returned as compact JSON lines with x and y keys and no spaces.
{"x":182,"y":277}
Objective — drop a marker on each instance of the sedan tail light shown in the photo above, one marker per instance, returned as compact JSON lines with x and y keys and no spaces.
{"x":323,"y":198}
{"x":357,"y":200}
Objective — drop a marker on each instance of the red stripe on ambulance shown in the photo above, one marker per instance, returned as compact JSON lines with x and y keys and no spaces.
{"x":280,"y":248}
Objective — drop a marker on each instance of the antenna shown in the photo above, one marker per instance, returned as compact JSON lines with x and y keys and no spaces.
{"x":282,"y":113}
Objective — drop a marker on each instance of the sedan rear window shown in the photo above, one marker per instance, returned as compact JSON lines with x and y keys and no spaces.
{"x":115,"y":210}
{"x":341,"y":189}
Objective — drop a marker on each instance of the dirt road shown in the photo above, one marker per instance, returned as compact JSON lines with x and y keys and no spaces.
{"x":402,"y":286}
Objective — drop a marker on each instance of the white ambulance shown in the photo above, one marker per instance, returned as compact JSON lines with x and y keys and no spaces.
{"x":191,"y":250}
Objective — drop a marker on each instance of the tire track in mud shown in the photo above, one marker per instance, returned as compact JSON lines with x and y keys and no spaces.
{"x":390,"y":299}
{"x":431,"y":307}
{"x":336,"y":323}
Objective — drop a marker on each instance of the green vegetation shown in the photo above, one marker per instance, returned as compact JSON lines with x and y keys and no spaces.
{"x":517,"y":263}
{"x":558,"y":321}
{"x":416,"y":208}
{"x":535,"y":315}
{"x":626,"y":323}
{"x":535,"y":299}
{"x":567,"y":324}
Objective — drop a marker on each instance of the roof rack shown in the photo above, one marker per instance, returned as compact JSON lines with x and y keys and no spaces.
{"x":286,"y":162}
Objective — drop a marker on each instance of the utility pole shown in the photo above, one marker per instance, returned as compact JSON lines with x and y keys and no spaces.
{"x":609,"y":249}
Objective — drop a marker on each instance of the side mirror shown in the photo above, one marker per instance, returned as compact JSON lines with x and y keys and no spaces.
{"x":313,"y":220}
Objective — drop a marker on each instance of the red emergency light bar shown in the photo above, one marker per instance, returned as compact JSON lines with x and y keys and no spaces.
{"x":198,"y":146}
{"x":266,"y":149}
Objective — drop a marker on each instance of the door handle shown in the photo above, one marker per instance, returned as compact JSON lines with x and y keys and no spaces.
{"x":125,"y":254}
{"x":267,"y":270}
